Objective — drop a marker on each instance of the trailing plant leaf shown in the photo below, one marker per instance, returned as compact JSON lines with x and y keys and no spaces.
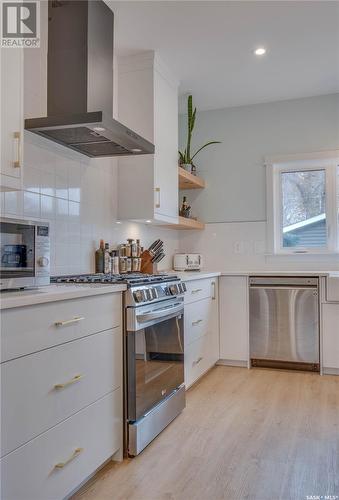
{"x":182,"y":157}
{"x":204,"y":146}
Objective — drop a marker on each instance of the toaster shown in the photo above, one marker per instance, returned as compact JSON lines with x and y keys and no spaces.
{"x":187,"y":262}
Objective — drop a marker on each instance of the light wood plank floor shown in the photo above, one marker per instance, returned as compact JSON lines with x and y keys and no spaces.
{"x":254,"y":435}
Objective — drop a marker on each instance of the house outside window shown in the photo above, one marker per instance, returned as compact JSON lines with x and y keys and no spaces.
{"x":303,"y":203}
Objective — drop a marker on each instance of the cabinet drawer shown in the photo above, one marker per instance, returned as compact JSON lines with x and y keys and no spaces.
{"x":197,"y":319}
{"x":30,"y":472}
{"x":29,"y":329}
{"x":332,"y":289}
{"x":199,"y":289}
{"x":198,"y":358}
{"x":88,"y":368}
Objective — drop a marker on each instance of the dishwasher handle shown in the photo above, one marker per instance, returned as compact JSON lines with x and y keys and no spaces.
{"x":284,"y":287}
{"x":284,"y":281}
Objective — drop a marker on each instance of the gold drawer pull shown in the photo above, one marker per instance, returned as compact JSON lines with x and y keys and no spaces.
{"x":213,"y":290}
{"x":157,"y":204}
{"x":196,"y":290}
{"x":69,"y":321}
{"x":197,"y":361}
{"x":17,"y":162}
{"x":76,"y":452}
{"x":195,"y":323}
{"x":70,"y":382}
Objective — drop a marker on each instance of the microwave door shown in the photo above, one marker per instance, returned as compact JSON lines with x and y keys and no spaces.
{"x":17,"y":242}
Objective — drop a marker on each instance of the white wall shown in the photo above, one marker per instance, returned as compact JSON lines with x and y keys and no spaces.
{"x":233,"y":203}
{"x":234,"y":170}
{"x":78,"y":196}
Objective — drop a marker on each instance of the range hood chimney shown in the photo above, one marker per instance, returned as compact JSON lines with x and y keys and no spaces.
{"x":80,"y":83}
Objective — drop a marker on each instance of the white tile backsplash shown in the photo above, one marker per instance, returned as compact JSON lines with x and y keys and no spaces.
{"x":77,"y":195}
{"x":241,"y":247}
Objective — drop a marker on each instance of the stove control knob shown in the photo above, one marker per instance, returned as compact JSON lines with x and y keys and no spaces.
{"x":183,"y":286}
{"x":149,"y":294}
{"x":154,"y":293}
{"x":138,"y":296}
{"x":173,"y":289}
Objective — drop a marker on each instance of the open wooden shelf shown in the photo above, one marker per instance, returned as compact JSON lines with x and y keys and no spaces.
{"x":189,"y":181}
{"x":185,"y":223}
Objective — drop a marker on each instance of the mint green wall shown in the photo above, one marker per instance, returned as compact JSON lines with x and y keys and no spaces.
{"x":234,"y":170}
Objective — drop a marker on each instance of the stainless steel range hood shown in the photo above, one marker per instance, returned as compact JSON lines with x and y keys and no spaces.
{"x":80,"y":83}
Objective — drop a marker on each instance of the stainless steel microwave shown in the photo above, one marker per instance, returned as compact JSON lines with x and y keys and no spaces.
{"x":25,"y":253}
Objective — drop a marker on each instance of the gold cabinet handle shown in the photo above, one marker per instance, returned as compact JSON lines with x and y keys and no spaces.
{"x":69,"y":321}
{"x":197,"y":290}
{"x":76,"y":378}
{"x":213,"y":290}
{"x":17,"y":162}
{"x":195,"y":323}
{"x":197,"y":361}
{"x":157,"y":204}
{"x":75,"y":453}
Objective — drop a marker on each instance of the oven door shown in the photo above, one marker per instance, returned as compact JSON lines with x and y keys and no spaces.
{"x":155,"y":356}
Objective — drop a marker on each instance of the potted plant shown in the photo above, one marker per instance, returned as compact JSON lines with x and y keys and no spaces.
{"x":185,"y":157}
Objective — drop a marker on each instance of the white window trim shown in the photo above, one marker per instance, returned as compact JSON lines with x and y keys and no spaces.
{"x":326,"y":160}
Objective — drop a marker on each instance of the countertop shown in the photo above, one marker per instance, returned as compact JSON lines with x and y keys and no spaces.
{"x":196,"y":275}
{"x":53,"y":293}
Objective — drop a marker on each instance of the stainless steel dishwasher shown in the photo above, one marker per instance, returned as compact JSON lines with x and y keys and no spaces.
{"x":284,"y":322}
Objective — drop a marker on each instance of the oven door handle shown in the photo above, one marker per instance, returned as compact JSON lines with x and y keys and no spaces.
{"x":160,"y":313}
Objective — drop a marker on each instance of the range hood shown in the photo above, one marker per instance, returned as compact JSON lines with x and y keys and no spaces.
{"x":80,"y":83}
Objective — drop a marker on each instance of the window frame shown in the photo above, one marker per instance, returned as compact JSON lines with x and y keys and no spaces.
{"x":327,"y":161}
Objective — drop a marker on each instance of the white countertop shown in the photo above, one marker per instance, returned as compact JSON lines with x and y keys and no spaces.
{"x":196,"y":275}
{"x":281,"y":273}
{"x":52,"y":293}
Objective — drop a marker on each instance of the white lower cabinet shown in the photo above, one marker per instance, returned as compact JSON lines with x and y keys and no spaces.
{"x":61,"y":394}
{"x":49,"y":386}
{"x":52,"y":465}
{"x":234,"y":323}
{"x":201,"y":328}
{"x":200,"y":356}
{"x":330,"y":338}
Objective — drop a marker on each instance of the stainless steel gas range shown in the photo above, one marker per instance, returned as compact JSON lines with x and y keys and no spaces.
{"x":153,"y":352}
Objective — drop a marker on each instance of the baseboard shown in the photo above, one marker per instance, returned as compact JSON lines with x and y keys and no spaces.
{"x":232,"y":362}
{"x":330,"y":371}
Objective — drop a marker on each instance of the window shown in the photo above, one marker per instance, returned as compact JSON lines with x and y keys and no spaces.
{"x":303,"y":204}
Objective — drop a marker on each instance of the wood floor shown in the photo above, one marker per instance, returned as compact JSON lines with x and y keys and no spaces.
{"x":258,"y":434}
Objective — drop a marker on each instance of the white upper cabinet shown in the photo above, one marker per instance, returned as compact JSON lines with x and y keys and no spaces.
{"x":148,"y":104}
{"x":12,"y":121}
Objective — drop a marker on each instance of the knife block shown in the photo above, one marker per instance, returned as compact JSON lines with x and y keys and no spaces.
{"x":147,"y":266}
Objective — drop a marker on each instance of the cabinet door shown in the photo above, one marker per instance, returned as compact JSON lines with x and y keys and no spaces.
{"x":330,"y":322}
{"x":234,"y":318}
{"x":11,"y":112}
{"x":166,"y":147}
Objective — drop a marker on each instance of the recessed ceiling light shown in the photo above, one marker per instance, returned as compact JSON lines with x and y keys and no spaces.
{"x":260,"y":51}
{"x":99,"y":129}
{"x":136,"y":150}
{"x":148,"y":221}
{"x":118,"y":222}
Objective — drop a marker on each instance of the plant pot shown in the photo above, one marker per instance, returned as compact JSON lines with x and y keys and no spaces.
{"x":186,"y":166}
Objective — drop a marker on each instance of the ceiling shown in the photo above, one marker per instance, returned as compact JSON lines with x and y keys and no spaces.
{"x":209,"y":47}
